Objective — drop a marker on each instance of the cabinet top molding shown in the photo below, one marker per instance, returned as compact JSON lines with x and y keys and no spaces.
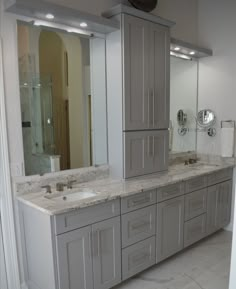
{"x":124,"y":9}
{"x":62,"y":15}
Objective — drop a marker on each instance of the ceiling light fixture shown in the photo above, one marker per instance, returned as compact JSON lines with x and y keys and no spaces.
{"x":192,"y":53}
{"x":50,"y":16}
{"x":83,"y":24}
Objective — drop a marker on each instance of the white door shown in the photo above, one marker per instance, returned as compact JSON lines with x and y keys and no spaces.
{"x":3,"y":277}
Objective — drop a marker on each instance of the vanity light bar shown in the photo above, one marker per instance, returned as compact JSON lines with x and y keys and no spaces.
{"x":53,"y":25}
{"x":179,"y":55}
{"x":188,"y":51}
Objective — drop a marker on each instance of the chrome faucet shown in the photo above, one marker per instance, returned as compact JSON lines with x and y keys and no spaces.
{"x":60,"y":187}
{"x":70,"y":184}
{"x":48,"y":189}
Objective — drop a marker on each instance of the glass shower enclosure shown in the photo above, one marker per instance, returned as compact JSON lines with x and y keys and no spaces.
{"x":37,"y":122}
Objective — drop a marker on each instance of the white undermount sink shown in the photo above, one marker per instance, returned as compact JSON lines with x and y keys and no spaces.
{"x":72,"y":197}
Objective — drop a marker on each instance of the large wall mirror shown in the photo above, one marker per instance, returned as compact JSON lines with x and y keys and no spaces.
{"x":183,"y":105}
{"x":63,"y":99}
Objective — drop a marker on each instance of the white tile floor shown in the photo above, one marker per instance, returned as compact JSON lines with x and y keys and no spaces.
{"x":206,"y":265}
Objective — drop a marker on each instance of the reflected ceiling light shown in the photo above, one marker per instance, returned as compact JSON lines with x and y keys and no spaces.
{"x":179,"y":55}
{"x":192,"y":53}
{"x":69,"y":30}
{"x":50,"y":16}
{"x":37,"y":23}
{"x":83,"y":24}
{"x":177,"y":48}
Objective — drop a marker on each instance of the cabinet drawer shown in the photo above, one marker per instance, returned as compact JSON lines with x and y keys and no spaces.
{"x":138,"y":257}
{"x":138,"y":225}
{"x":83,"y":217}
{"x":195,"y":204}
{"x":170,"y":192}
{"x":196,"y":184}
{"x":138,"y":201}
{"x":194,"y":230}
{"x":220,"y":176}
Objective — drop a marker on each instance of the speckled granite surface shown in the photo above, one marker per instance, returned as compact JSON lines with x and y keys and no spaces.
{"x":107,"y":188}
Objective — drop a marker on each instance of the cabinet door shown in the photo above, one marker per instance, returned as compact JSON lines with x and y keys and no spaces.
{"x":106,"y":253}
{"x":195,"y":204}
{"x":74,"y":259}
{"x":212,"y":206}
{"x":219,"y":206}
{"x":157,"y":153}
{"x":224,"y":199}
{"x":159,"y":77}
{"x":170,"y":225}
{"x":194,"y":230}
{"x":135,"y":74}
{"x":145,"y":152}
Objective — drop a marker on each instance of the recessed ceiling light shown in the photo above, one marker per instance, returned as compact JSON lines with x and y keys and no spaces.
{"x":177,"y":48}
{"x":192,"y":53}
{"x":83,"y":24}
{"x":49,"y":16}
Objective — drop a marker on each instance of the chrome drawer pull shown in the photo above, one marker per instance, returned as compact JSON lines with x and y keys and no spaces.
{"x":140,"y":225}
{"x":141,"y":201}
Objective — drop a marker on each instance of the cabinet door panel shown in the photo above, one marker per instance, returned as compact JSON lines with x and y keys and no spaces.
{"x":135,"y":75}
{"x":194,"y":230}
{"x":106,"y":253}
{"x":145,"y":152}
{"x":138,"y":201}
{"x":138,"y":225}
{"x":195,"y":204}
{"x":170,"y":192}
{"x":138,"y":257}
{"x":170,"y":225}
{"x":212,"y":206}
{"x":74,"y":260}
{"x":224,"y":204}
{"x":159,"y":66}
{"x":219,"y":206}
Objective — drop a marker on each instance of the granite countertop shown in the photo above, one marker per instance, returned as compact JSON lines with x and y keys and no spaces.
{"x":109,"y":189}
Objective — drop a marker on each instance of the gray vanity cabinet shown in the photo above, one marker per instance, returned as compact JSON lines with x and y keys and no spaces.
{"x":159,"y":77}
{"x":146,"y":48}
{"x":106,"y":253}
{"x":138,"y":93}
{"x":170,"y":227}
{"x":146,"y":152}
{"x":74,"y":259}
{"x":136,"y":73}
{"x":90,"y":257}
{"x":219,"y":206}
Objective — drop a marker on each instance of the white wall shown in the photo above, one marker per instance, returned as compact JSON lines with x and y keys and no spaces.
{"x":183,"y":12}
{"x":217,"y":78}
{"x":217,"y":74}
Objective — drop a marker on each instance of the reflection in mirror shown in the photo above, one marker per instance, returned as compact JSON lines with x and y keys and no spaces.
{"x":63,"y":99}
{"x":206,"y":118}
{"x":183,"y":105}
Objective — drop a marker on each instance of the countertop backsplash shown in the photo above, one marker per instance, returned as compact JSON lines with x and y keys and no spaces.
{"x":33,"y":184}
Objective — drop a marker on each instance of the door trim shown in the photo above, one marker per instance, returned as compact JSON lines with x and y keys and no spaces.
{"x":6,"y":198}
